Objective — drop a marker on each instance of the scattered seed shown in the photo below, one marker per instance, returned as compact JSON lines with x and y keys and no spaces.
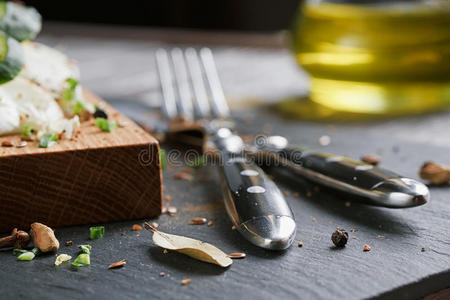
{"x":210,"y":223}
{"x":165,"y":251}
{"x":118,"y":264}
{"x":162,"y":274}
{"x":186,"y":281}
{"x":197,"y":221}
{"x":423,"y":249}
{"x":7,"y":144}
{"x":137,"y":227}
{"x":348,"y":204}
{"x":122,"y":124}
{"x":296,"y":195}
{"x":233,"y":227}
{"x":380,"y":236}
{"x":171,"y":210}
{"x":339,"y":237}
{"x":155,"y":225}
{"x":69,"y":243}
{"x":27,"y":138}
{"x":300,"y":244}
{"x":183,"y":176}
{"x":236,"y":255}
{"x":324,"y":140}
{"x":22,"y":144}
{"x":371,"y":159}
{"x":353,"y":230}
{"x":366,"y":248}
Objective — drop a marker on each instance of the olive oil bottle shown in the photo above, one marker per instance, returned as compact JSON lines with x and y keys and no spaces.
{"x":382,"y":59}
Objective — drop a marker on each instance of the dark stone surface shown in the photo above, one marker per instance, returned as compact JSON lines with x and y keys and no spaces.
{"x":394,"y":268}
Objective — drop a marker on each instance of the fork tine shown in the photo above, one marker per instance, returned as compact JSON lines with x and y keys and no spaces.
{"x":184,"y":90}
{"x":218,"y":101}
{"x":201,"y":97}
{"x":169,"y":106}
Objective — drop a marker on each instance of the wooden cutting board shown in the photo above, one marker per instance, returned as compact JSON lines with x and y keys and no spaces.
{"x":95,"y":177}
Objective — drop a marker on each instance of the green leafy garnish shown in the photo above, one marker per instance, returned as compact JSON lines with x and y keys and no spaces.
{"x":27,"y":256}
{"x":47,"y":140}
{"x":78,"y":107}
{"x":27,"y":130}
{"x":197,"y":163}
{"x":18,"y":252}
{"x":105,"y":125}
{"x":162,"y":158}
{"x":96,"y":232}
{"x":69,"y":93}
{"x":85,"y":248}
{"x":82,"y":260}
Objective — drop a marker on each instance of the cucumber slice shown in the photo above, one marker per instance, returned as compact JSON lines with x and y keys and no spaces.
{"x":20,"y":22}
{"x":11,"y":57}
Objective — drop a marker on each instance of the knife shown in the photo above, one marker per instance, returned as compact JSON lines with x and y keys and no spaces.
{"x":357,"y":180}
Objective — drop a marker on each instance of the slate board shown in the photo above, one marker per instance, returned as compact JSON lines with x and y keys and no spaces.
{"x":394,"y":269}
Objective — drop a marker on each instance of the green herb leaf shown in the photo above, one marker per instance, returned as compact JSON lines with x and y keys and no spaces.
{"x":27,"y":130}
{"x":97,"y":232}
{"x":162,"y":158}
{"x":105,"y":125}
{"x":85,"y":248}
{"x":47,"y":140}
{"x":82,"y":260}
{"x":18,"y":252}
{"x":197,"y":163}
{"x":69,"y":93}
{"x":78,"y":107}
{"x":27,"y":256}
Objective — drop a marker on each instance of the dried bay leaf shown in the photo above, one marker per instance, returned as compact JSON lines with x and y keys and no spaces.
{"x":191,"y":247}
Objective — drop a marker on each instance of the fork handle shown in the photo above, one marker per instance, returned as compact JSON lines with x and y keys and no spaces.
{"x":255,"y":205}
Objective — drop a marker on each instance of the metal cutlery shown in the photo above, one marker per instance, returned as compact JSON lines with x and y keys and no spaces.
{"x":360,"y":181}
{"x":254,"y":203}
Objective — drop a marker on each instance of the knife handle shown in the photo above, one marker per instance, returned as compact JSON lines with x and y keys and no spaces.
{"x":358,"y":180}
{"x":255,"y":205}
{"x":343,"y":169}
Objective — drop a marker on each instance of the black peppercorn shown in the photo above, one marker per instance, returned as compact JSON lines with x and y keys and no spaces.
{"x":339,"y":237}
{"x":100,"y":113}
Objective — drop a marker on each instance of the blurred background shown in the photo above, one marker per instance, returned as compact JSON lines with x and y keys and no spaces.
{"x":247,"y":15}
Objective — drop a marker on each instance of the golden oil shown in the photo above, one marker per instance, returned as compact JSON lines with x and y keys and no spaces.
{"x":384,"y":59}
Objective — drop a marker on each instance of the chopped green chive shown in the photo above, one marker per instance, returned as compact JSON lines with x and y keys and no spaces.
{"x":18,"y":252}
{"x":85,"y":248}
{"x":82,"y":260}
{"x":97,"y":232}
{"x":162,"y":158}
{"x":47,"y":140}
{"x":27,"y":256}
{"x":197,"y":163}
{"x":27,"y":130}
{"x":36,"y":250}
{"x":69,"y":93}
{"x":105,"y":125}
{"x":78,"y":107}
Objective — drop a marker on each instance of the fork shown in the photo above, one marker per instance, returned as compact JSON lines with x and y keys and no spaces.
{"x":192,"y":91}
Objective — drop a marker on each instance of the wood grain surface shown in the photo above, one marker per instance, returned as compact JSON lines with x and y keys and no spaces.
{"x":95,"y":177}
